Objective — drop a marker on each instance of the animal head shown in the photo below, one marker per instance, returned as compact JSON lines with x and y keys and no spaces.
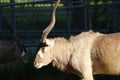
{"x":21,"y":53}
{"x":20,"y":49}
{"x":43,"y":56}
{"x":10,"y":52}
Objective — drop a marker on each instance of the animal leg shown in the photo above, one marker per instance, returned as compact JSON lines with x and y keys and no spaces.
{"x":87,"y":74}
{"x":86,"y":67}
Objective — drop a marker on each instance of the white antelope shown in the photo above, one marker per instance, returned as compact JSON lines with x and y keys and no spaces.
{"x":85,"y":54}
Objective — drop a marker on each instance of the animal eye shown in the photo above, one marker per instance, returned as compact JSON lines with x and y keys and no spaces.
{"x":43,"y":49}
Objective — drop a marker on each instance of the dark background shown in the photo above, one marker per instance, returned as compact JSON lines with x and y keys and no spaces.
{"x":28,"y":18}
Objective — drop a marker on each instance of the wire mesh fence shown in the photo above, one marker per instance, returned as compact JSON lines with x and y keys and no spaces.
{"x":72,"y":17}
{"x":28,"y":18}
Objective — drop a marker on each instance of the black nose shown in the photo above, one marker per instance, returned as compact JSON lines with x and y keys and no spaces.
{"x":35,"y":63}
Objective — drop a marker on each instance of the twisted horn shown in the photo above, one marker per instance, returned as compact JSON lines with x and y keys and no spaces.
{"x":51,"y":25}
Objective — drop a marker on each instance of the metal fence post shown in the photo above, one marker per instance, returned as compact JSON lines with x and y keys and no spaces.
{"x":114,"y":16}
{"x":89,"y":15}
{"x":0,"y":24}
{"x":106,"y":16}
{"x":13,"y":17}
{"x":85,"y":15}
{"x":68,"y":17}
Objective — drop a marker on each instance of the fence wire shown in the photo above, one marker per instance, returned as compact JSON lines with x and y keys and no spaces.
{"x":29,"y":19}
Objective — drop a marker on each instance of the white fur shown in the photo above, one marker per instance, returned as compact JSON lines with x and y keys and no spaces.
{"x":40,"y":54}
{"x":50,"y":42}
{"x":23,"y":53}
{"x":39,"y":65}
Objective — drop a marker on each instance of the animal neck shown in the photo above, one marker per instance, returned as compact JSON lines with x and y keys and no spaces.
{"x":61,"y":53}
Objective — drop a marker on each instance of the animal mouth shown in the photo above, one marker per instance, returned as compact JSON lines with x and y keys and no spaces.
{"x":39,"y":65}
{"x":25,"y":61}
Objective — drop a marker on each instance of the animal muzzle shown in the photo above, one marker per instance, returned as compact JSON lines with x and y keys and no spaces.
{"x":25,"y":59}
{"x":38,"y":65}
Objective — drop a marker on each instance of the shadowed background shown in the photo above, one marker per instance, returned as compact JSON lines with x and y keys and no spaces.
{"x":29,"y":18}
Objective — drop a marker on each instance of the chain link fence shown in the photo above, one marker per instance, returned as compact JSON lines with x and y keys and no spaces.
{"x":29,"y":18}
{"x":72,"y":17}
